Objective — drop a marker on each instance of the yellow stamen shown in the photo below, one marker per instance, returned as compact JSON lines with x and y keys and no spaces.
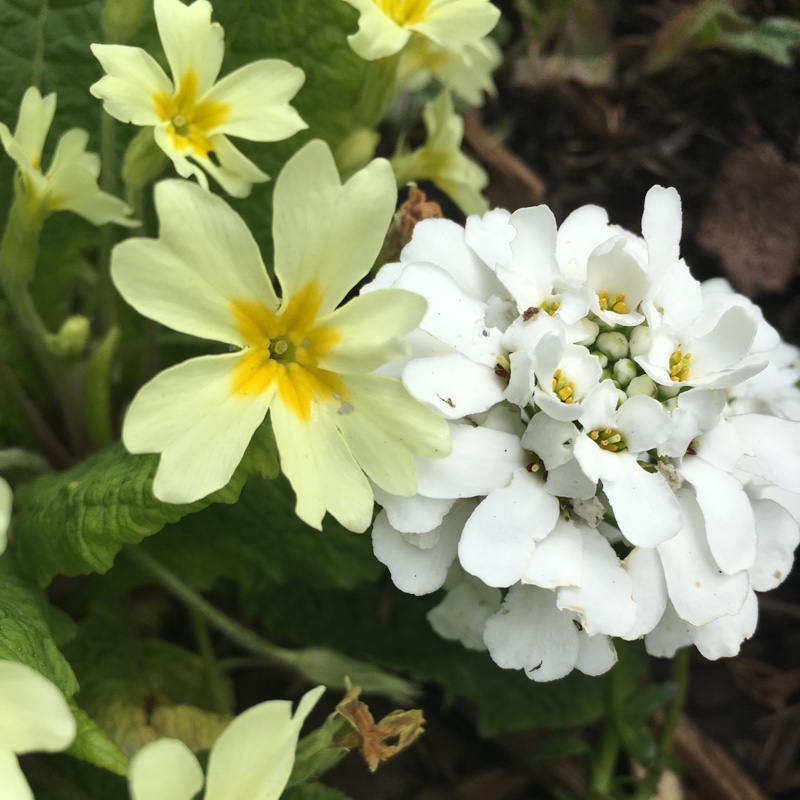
{"x":615,"y":303}
{"x":679,"y":366}
{"x":608,"y":439}
{"x":550,"y":307}
{"x":190,"y":122}
{"x":563,"y":388}
{"x":405,"y":12}
{"x":284,"y":349}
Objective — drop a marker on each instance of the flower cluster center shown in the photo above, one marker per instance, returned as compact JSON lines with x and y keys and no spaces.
{"x":404,"y":12}
{"x":615,"y":302}
{"x":608,"y":439}
{"x":679,"y":365}
{"x":191,"y":122}
{"x":283,"y":350}
{"x":563,"y":388}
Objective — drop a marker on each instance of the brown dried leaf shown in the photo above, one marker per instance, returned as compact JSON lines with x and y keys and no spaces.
{"x":378,"y":741}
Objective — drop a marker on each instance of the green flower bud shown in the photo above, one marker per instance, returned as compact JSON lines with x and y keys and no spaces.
{"x":121,"y":18}
{"x":642,"y":384}
{"x":356,"y":151}
{"x":639,"y":341}
{"x":625,"y":371}
{"x":72,"y":337}
{"x":668,"y":392}
{"x":613,"y":344}
{"x":601,"y":357}
{"x":144,"y":161}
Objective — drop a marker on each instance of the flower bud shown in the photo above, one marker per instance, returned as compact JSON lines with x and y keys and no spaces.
{"x":613,"y":344}
{"x":668,"y":392}
{"x":72,"y":337}
{"x":625,"y":371}
{"x":639,"y":342}
{"x":601,"y":357}
{"x":642,"y":384}
{"x":143,"y":162}
{"x":356,"y":151}
{"x":121,"y":18}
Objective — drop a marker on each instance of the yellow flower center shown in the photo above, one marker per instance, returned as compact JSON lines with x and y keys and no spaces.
{"x":563,"y":388}
{"x":615,"y":303}
{"x":284,"y":349}
{"x":190,"y":121}
{"x":679,"y":365}
{"x":608,"y":439}
{"x":404,"y":12}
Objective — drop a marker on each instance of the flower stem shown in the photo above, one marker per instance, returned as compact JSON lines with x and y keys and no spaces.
{"x":213,"y":674}
{"x":106,"y":298}
{"x":680,"y":677}
{"x":604,"y":762}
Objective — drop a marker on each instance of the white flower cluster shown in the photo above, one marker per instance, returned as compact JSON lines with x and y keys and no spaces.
{"x":625,"y":442}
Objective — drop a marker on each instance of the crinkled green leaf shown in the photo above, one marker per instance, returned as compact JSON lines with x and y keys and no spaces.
{"x":381,"y":624}
{"x":93,"y":745}
{"x":25,"y":635}
{"x":139,"y":688}
{"x":261,"y":541}
{"x":76,"y":521}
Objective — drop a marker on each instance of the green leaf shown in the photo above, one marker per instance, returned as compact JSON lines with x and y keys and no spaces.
{"x":76,"y":521}
{"x":381,"y":624}
{"x":93,"y":745}
{"x":139,"y":688}
{"x":25,"y":635}
{"x":562,"y":746}
{"x":773,"y":37}
{"x":313,"y":791}
{"x":259,"y":540}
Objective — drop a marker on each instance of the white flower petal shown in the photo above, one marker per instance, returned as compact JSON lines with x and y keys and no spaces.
{"x":569,"y":480}
{"x":463,"y":613}
{"x":132,"y":81}
{"x":235,"y":173}
{"x":489,"y":236}
{"x":697,"y":588}
{"x":321,"y":468}
{"x":453,"y":385}
{"x":451,"y":25}
{"x":530,"y":633}
{"x":557,"y":559}
{"x":190,"y":414}
{"x":34,"y":121}
{"x":668,"y":636}
{"x":723,"y":637}
{"x":482,"y":460}
{"x":254,"y":756}
{"x":165,"y":769}
{"x":378,"y":36}
{"x":578,"y":235}
{"x":333,"y":234}
{"x":550,"y":439}
{"x":643,"y":423}
{"x":443,"y":243}
{"x":453,"y":316}
{"x":778,"y":536}
{"x":415,"y":514}
{"x":204,"y":259}
{"x":776,"y":447}
{"x":596,"y":654}
{"x":34,"y":715}
{"x":649,"y":590}
{"x":661,"y":228}
{"x":413,"y":569}
{"x":6,"y":507}
{"x":258,"y":96}
{"x":190,"y":40}
{"x":644,"y":505}
{"x":500,"y":536}
{"x":730,"y":523}
{"x":604,"y":599}
{"x":725,"y":345}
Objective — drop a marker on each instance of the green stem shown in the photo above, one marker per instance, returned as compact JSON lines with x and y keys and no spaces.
{"x":237,"y":633}
{"x":213,"y":676}
{"x":605,"y":760}
{"x":106,"y":296}
{"x":680,"y":676}
{"x":377,"y":93}
{"x":56,"y":453}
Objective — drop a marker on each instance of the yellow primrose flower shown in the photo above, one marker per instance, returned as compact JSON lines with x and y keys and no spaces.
{"x":440,"y":159}
{"x":299,"y":357}
{"x":70,"y":184}
{"x":192,"y":114}
{"x":34,"y":717}
{"x":253,"y":758}
{"x":385,"y":26}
